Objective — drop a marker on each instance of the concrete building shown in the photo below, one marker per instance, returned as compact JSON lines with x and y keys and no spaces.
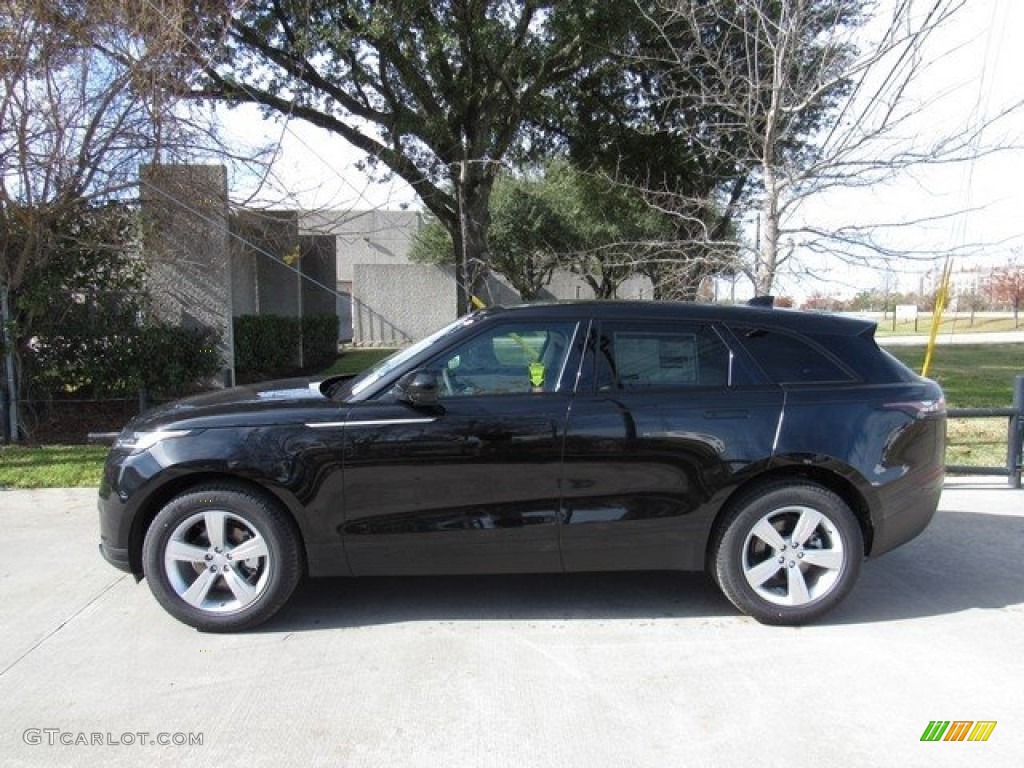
{"x":186,"y":236}
{"x":208,"y":266}
{"x":211,"y":265}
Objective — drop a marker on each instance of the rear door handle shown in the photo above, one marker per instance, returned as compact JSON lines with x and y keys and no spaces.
{"x":729,"y":413}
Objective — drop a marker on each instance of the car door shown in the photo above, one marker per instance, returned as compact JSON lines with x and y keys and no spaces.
{"x":666,"y":420}
{"x":470,"y":484}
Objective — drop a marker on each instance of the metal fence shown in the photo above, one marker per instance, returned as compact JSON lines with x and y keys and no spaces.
{"x":1014,"y":437}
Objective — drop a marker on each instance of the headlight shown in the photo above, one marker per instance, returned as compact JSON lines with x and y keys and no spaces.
{"x":137,"y":442}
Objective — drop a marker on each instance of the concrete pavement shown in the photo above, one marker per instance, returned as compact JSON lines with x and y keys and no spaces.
{"x":589,"y":670}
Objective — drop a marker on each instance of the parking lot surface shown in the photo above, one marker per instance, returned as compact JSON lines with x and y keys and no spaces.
{"x":649,"y":669}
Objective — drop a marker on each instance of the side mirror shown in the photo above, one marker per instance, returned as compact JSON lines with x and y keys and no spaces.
{"x":418,"y":388}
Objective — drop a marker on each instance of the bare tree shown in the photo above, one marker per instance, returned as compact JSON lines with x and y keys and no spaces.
{"x":805,"y":97}
{"x":1006,"y":285}
{"x":82,"y":105}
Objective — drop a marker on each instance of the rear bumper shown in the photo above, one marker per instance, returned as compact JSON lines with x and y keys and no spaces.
{"x":908,"y":506}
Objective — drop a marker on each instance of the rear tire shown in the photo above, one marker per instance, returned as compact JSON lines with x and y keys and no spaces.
{"x":221,"y":558}
{"x":788,"y":553}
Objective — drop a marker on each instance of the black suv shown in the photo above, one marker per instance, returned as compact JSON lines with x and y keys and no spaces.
{"x":775,"y":449}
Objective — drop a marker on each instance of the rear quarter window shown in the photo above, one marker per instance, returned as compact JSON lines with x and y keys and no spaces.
{"x":641,"y":356}
{"x":787,"y":358}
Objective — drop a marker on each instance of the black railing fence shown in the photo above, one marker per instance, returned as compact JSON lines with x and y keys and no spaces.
{"x":1014,"y":436}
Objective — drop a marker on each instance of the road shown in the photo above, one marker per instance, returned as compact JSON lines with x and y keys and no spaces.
{"x":589,"y":670}
{"x":1001,"y":337}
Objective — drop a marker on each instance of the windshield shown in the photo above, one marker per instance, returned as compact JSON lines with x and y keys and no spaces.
{"x":391,"y":362}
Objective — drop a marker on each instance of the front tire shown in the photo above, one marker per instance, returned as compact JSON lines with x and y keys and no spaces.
{"x":221,"y":558}
{"x":788,"y":553}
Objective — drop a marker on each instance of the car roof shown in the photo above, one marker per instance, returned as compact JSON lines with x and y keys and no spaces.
{"x":795,"y":320}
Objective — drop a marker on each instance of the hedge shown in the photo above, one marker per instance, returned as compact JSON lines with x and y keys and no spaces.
{"x":267,"y":346}
{"x":174,"y":360}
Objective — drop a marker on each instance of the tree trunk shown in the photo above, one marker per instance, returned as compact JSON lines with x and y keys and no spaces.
{"x":768,"y":247}
{"x":472,"y":260}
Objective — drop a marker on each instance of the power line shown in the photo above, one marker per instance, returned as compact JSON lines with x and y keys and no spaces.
{"x":205,"y":218}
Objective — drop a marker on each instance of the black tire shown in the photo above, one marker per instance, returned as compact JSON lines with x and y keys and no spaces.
{"x":799,"y":572}
{"x":194,"y":558}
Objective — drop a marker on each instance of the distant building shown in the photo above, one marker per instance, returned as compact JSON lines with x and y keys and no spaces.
{"x":968,"y":282}
{"x":211,"y":264}
{"x":208,"y":265}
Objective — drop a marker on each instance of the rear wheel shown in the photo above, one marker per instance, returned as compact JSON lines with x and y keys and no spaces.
{"x":788,"y":553}
{"x":221,"y":558}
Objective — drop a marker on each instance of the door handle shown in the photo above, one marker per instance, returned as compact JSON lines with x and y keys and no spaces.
{"x":728,"y":413}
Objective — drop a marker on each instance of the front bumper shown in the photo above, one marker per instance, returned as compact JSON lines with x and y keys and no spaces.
{"x":116,"y":557}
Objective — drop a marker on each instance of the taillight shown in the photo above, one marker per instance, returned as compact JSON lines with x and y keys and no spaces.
{"x":920,"y":409}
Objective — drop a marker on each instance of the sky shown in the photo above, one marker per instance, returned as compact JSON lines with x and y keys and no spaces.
{"x":977,"y":70}
{"x":976,"y":73}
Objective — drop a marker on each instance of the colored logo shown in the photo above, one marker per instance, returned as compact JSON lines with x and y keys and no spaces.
{"x":958,"y":730}
{"x":537,"y":374}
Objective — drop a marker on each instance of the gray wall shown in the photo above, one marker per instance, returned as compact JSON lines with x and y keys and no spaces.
{"x":364,"y":237}
{"x":270,"y":239}
{"x":185,"y":211}
{"x":244,"y":279}
{"x":319,"y":263}
{"x":205,"y":274}
{"x":395,"y":305}
{"x":206,"y":266}
{"x":266,"y":250}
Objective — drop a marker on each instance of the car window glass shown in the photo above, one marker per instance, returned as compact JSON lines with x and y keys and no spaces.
{"x":366,"y":379}
{"x":634,"y":357}
{"x":509,"y":359}
{"x":788,"y":359}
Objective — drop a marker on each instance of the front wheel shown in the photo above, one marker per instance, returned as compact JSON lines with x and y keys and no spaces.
{"x":788,"y":553}
{"x":221,"y":558}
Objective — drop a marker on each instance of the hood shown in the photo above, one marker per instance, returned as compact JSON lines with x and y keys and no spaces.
{"x":271,"y":402}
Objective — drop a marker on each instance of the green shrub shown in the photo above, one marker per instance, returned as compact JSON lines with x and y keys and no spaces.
{"x":165,"y":360}
{"x":79,"y":328}
{"x":319,"y":340}
{"x":267,"y":346}
{"x":172,"y":360}
{"x":77,"y":311}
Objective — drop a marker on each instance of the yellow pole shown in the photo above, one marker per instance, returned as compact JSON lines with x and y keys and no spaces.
{"x":940,"y":304}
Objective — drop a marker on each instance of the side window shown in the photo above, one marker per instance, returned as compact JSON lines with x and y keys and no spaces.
{"x":509,"y":359}
{"x":789,"y":359}
{"x":640,"y":356}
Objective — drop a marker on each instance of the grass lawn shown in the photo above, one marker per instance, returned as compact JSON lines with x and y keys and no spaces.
{"x":51,"y":466}
{"x":972,"y":376}
{"x":356,"y":360}
{"x":951,"y":323}
{"x":977,"y":442}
